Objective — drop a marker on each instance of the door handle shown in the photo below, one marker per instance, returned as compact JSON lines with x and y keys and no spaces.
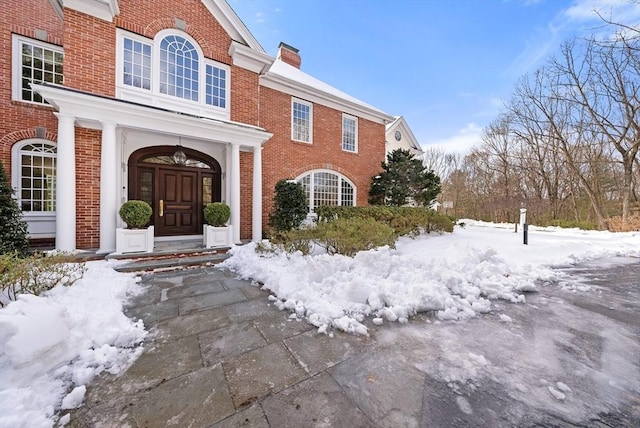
{"x":161,"y":214}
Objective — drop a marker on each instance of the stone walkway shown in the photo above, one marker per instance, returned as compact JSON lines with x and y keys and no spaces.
{"x":221,"y":355}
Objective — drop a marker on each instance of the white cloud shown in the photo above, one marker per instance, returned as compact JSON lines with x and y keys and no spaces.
{"x":581,"y":19}
{"x":537,"y":48}
{"x":461,"y":142}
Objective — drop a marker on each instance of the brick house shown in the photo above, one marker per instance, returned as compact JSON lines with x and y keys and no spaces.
{"x":172,"y":102}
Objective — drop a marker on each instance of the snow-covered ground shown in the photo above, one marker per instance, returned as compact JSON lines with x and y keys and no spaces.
{"x":52,"y":346}
{"x":457,"y":275}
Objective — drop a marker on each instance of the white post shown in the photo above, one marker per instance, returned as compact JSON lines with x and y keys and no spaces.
{"x":108,"y":193}
{"x":234,"y":171}
{"x":66,"y":184}
{"x":523,"y":216}
{"x":257,"y":194}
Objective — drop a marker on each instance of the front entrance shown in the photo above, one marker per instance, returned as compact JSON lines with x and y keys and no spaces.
{"x":177,"y":182}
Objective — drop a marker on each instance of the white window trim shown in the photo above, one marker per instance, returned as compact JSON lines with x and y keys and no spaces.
{"x":355,"y":123}
{"x":154,"y":97}
{"x":41,"y":224}
{"x":312,"y":184}
{"x":16,"y":64}
{"x":310,"y":105}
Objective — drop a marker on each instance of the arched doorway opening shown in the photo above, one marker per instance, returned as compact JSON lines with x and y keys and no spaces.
{"x":177,"y":182}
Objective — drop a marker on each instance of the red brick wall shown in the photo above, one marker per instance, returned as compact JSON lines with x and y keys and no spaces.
{"x":89,"y":46}
{"x":246,"y":195}
{"x":19,"y":120}
{"x":284,"y":158}
{"x":88,"y":188}
{"x":89,"y":53}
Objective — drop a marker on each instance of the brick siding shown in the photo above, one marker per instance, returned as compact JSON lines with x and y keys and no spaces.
{"x":89,"y":65}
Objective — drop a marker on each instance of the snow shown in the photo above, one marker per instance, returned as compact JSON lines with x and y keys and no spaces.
{"x":53,"y":345}
{"x":456,"y":275}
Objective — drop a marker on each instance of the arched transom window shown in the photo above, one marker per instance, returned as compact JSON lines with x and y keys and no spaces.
{"x":324,"y":187}
{"x":179,"y":68}
{"x":36,"y":176}
{"x":171,"y":71}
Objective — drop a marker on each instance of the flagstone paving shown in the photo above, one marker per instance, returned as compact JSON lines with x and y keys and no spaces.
{"x":219,"y":354}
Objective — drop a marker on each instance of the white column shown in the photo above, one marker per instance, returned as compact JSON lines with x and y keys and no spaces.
{"x":108,"y":192}
{"x":235,"y":191}
{"x":257,"y":194}
{"x":66,"y":184}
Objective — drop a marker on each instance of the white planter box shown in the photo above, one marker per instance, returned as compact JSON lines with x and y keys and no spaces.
{"x":134,"y":240}
{"x":217,"y":236}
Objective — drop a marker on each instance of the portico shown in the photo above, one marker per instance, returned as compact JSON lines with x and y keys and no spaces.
{"x":127,"y":126}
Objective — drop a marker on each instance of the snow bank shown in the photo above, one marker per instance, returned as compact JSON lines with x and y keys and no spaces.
{"x":58,"y":342}
{"x":456,"y":275}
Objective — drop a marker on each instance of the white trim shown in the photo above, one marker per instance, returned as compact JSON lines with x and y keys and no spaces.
{"x":101,"y":9}
{"x":233,"y":25}
{"x":153,"y":96}
{"x":310,"y":105}
{"x":90,"y":110}
{"x":355,"y":144}
{"x":408,"y":141}
{"x":312,"y":206}
{"x":249,"y":59}
{"x":41,"y":224}
{"x":313,"y":90}
{"x":16,"y":64}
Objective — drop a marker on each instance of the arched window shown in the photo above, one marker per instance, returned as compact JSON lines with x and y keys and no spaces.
{"x":34,"y":176}
{"x":323,"y":187}
{"x":179,"y":68}
{"x":171,"y":71}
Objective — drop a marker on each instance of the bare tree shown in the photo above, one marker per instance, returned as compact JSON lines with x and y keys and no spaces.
{"x":603,"y":83}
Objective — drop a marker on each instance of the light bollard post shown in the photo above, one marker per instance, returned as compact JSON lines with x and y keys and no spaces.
{"x":525,"y":226}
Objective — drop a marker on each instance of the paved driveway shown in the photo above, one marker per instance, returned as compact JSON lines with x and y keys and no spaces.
{"x":221,"y":355}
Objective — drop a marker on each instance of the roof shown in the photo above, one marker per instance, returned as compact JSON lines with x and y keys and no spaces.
{"x":294,"y":81}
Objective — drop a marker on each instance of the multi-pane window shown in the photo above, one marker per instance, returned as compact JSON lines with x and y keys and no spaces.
{"x":327,"y":188}
{"x":216,"y":86}
{"x":349,"y":133}
{"x":37,"y":177}
{"x":35,"y":62}
{"x":137,"y":64}
{"x":172,"y":65}
{"x":301,"y":121}
{"x":179,"y":68}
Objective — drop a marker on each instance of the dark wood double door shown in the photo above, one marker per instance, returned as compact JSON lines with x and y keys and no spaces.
{"x":176,"y":187}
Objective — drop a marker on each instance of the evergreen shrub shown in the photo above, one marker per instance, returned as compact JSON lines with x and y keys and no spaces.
{"x":348,"y":236}
{"x":217,"y":214}
{"x":13,"y":228}
{"x":289,"y":206}
{"x":136,"y":214}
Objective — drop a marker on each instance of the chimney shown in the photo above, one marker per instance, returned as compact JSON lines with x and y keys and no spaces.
{"x":289,"y":54}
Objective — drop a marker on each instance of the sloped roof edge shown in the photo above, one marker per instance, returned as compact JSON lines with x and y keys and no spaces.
{"x":401,"y":122}
{"x":232,"y":23}
{"x":291,"y":80}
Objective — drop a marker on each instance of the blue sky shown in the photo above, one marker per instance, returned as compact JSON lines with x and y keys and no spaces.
{"x":447,"y":66}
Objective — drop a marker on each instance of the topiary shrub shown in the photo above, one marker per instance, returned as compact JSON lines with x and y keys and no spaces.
{"x":289,"y":206}
{"x":13,"y":229}
{"x":217,"y":214}
{"x":136,"y":214}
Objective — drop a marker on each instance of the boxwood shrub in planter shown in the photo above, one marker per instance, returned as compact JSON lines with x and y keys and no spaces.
{"x":137,"y":237}
{"x":217,"y":214}
{"x":216,"y":233}
{"x":136,"y":214}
